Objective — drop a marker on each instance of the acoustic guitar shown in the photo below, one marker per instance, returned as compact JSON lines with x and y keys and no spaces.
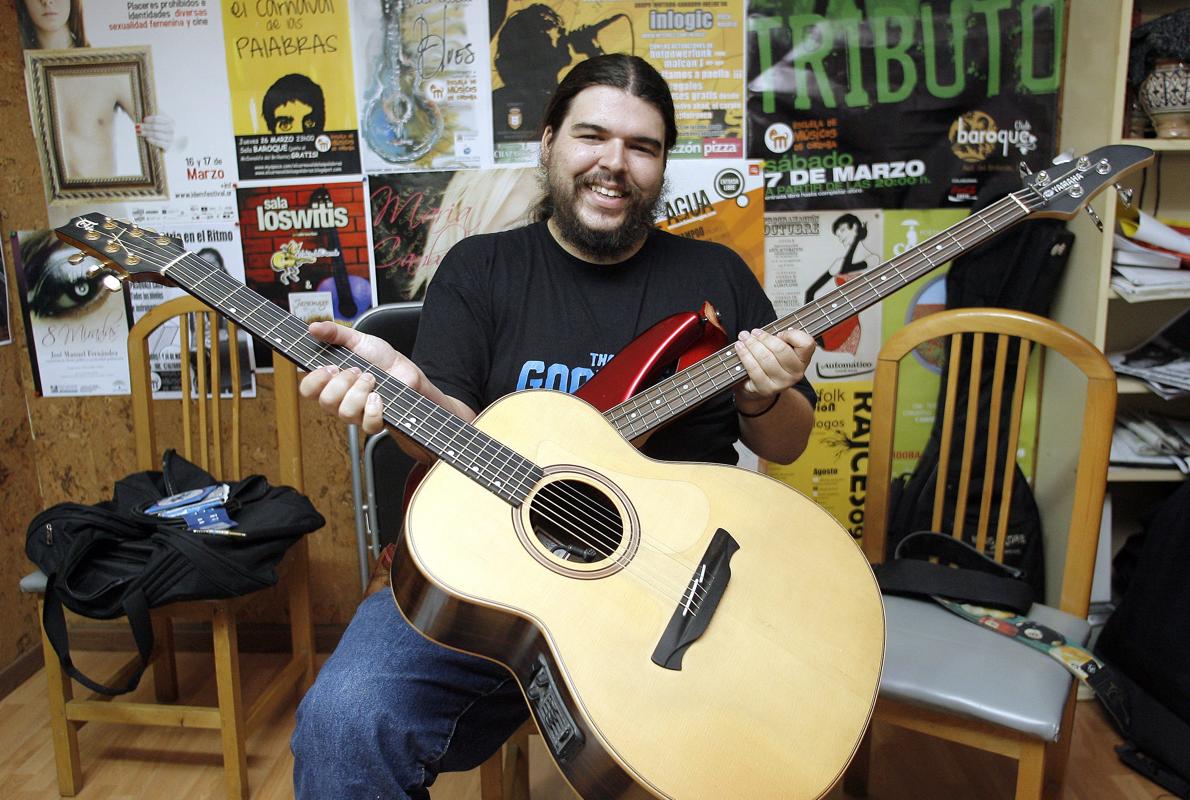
{"x":679,"y":630}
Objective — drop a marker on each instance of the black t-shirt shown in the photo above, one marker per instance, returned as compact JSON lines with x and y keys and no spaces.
{"x":513,"y":310}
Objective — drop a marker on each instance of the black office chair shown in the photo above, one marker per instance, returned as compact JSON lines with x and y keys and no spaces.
{"x":380,"y":490}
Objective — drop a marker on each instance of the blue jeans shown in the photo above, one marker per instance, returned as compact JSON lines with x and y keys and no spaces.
{"x":391,"y":709}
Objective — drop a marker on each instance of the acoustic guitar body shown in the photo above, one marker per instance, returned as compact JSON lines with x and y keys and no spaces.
{"x":723,"y":640}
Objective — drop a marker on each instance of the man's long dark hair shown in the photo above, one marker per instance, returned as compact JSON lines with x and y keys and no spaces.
{"x":632,"y":74}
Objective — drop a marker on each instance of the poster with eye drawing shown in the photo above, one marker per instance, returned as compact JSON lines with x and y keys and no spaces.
{"x":173,"y":134}
{"x":76,"y":329}
{"x":699,"y":51}
{"x":218,"y":246}
{"x":423,"y":82}
{"x":810,"y":254}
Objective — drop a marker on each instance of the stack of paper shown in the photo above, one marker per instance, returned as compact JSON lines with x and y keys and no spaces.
{"x":1151,"y":440}
{"x":1129,"y":252}
{"x":1149,"y":242}
{"x":1163,"y":361}
{"x":1137,"y":284}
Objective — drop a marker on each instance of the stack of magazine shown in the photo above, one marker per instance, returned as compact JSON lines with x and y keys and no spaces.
{"x":1162,"y":362}
{"x":1144,"y":439}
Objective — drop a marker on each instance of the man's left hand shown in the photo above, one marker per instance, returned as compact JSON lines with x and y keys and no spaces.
{"x":774,"y":363}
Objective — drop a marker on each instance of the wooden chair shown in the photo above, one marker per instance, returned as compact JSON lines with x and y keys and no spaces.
{"x":942,"y":675}
{"x":505,"y":775}
{"x":206,"y":441}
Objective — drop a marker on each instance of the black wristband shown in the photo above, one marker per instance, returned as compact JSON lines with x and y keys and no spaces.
{"x":761,"y":413}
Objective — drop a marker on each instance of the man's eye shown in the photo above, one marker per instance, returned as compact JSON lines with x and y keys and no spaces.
{"x":284,"y":123}
{"x":308,"y":124}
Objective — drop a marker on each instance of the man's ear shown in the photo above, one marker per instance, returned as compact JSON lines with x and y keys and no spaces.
{"x":547,"y":138}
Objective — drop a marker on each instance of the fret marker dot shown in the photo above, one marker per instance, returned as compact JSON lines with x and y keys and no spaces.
{"x":939,"y":247}
{"x":232,"y":309}
{"x":738,"y":368}
{"x":834,"y":305}
{"x":450,"y":453}
{"x":685,"y":386}
{"x":883,"y":277}
{"x":277,"y":339}
{"x":633,"y":415}
{"x":656,"y":402}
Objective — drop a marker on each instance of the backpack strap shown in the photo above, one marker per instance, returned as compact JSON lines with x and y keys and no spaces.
{"x":973,"y":578}
{"x":53,"y":619}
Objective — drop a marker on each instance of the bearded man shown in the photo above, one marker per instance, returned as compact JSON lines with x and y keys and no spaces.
{"x":542,"y":306}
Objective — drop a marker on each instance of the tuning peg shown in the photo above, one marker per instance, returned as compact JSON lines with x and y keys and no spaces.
{"x":112,"y":283}
{"x":76,"y":258}
{"x":1064,"y":156}
{"x":93,"y":270}
{"x":1125,"y":195}
{"x":1025,"y":170}
{"x":1094,"y":218}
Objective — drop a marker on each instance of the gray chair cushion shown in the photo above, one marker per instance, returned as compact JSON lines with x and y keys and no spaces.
{"x":33,"y":583}
{"x":935,"y":658}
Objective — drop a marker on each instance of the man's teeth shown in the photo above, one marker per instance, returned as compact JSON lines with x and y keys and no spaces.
{"x":606,"y":192}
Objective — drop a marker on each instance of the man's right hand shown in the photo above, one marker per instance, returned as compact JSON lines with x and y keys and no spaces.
{"x":349,"y":393}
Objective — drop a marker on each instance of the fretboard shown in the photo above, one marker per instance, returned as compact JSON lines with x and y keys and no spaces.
{"x":496,"y":467}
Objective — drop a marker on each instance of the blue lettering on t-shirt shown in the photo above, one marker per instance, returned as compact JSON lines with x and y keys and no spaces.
{"x":536,"y":375}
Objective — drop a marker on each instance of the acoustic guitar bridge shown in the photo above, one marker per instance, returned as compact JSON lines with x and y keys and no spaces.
{"x":699,"y":601}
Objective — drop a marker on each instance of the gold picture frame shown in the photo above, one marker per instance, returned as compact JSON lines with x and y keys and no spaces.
{"x":86,"y":104}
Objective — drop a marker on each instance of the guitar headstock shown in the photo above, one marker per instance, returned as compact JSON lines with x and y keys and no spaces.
{"x":131,"y":251}
{"x":1062,"y":189}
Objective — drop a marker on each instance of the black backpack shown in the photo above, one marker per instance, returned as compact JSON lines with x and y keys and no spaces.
{"x":113,"y":559}
{"x":1147,"y":638}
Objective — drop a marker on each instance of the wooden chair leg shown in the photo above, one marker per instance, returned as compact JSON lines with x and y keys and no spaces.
{"x":516,"y":765}
{"x":1030,"y":771}
{"x":231,"y":705}
{"x":301,"y":626}
{"x":1057,"y":754}
{"x":491,"y":777}
{"x":855,"y":779}
{"x":64,"y":731}
{"x":165,"y":667}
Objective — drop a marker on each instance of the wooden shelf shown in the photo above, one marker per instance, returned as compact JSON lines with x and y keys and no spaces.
{"x":1160,"y":145}
{"x":1118,"y":474}
{"x":1131,"y":386}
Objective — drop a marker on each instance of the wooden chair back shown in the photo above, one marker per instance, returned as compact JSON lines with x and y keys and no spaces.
{"x":208,"y":426}
{"x":1009,"y":337}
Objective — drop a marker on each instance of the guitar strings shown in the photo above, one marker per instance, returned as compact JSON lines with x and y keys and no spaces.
{"x":605,"y":531}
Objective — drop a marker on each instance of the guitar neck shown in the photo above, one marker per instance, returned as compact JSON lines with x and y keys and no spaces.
{"x":676,"y":395}
{"x":502,"y":471}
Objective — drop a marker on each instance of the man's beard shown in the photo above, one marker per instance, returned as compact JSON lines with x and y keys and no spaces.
{"x":601,"y":244}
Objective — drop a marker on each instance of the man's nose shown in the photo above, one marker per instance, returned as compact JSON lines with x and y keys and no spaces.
{"x":612,"y":157}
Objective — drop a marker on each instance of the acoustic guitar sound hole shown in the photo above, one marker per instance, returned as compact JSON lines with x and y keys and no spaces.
{"x":576,"y":521}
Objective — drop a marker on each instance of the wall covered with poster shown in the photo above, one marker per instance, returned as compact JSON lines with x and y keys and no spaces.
{"x":330,"y":153}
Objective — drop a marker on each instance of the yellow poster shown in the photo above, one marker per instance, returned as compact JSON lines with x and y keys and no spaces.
{"x":289,"y":71}
{"x":698,"y":49}
{"x":833,"y":472}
